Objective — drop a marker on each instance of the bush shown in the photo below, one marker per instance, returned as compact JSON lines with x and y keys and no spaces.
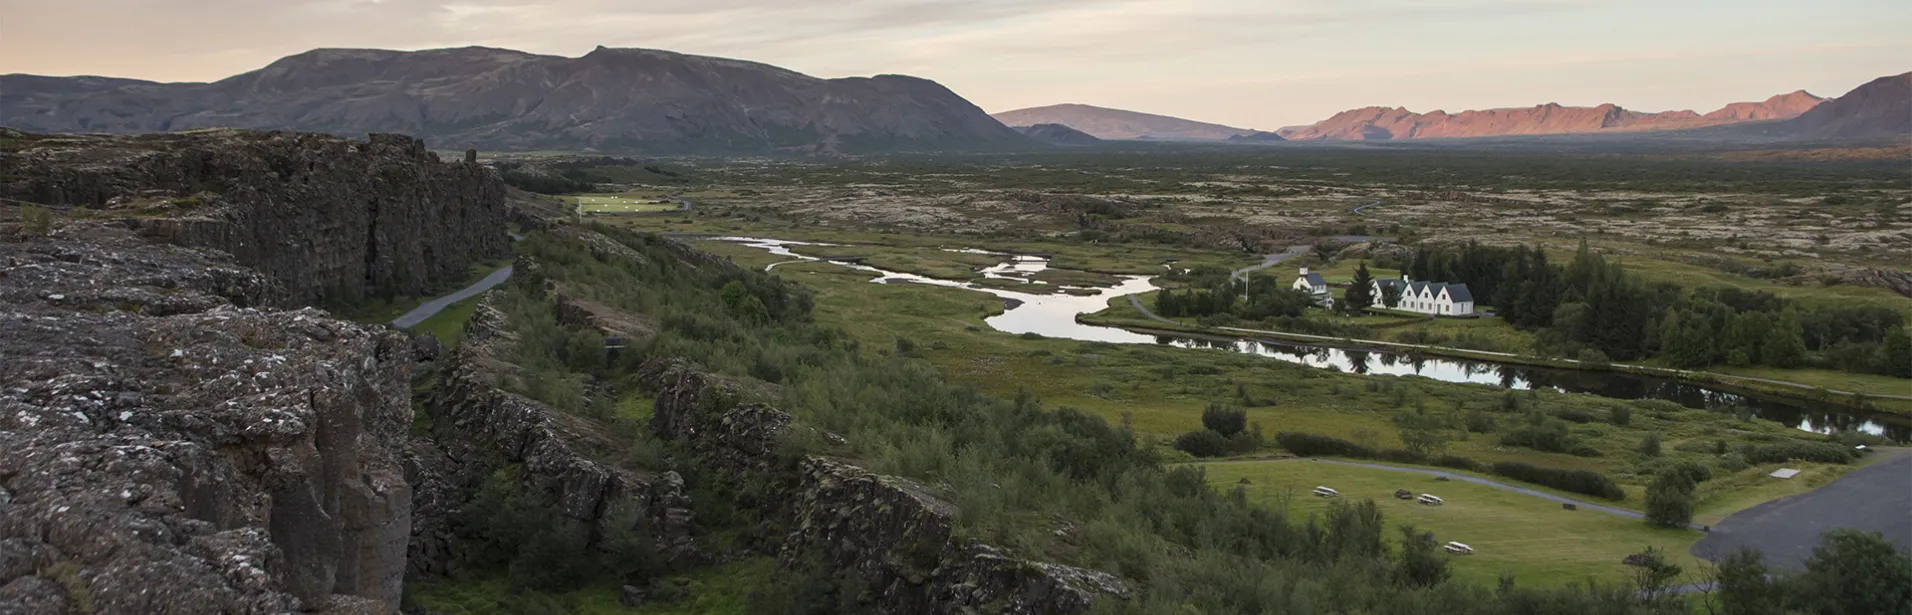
{"x":1551,"y":436}
{"x":1620,"y":415}
{"x":1669,"y":500}
{"x":1479,"y":422}
{"x":1204,"y":443}
{"x":1458,"y":463}
{"x":1577,"y":481}
{"x":1822,"y":452}
{"x":1650,"y":445}
{"x":1315,"y":445}
{"x":1225,"y":420}
{"x":1396,"y":455}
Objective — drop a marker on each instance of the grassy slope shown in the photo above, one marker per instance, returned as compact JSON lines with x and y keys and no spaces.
{"x":1535,"y":539}
{"x":449,"y":325}
{"x":721,"y":590}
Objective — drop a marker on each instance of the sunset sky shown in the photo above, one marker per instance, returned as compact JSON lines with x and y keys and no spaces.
{"x":1249,"y":63}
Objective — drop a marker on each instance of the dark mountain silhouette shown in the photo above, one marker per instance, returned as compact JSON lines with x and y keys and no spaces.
{"x":608,"y":100}
{"x":1104,"y":123}
{"x":1057,"y":134}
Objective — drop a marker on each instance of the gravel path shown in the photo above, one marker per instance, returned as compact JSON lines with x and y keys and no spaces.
{"x":1875,"y":498}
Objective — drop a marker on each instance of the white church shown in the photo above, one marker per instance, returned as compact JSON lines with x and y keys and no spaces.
{"x":1435,"y":298}
{"x":1316,"y":287}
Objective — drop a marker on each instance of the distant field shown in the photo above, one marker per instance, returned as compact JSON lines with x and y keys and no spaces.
{"x":1535,"y":539}
{"x":621,"y":204}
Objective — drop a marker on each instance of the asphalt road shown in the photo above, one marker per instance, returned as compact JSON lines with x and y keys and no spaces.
{"x":1360,"y":211}
{"x":1875,"y":498}
{"x":1269,"y":260}
{"x":433,"y":307}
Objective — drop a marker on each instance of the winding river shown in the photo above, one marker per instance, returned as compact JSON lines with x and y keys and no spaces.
{"x":1054,"y":315}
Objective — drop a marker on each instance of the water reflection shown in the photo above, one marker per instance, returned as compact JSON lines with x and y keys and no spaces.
{"x":1054,"y":315}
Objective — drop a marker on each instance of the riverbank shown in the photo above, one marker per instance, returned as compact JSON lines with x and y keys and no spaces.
{"x":1135,"y":317}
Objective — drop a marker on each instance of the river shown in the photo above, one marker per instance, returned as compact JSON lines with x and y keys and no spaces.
{"x":1054,"y":315}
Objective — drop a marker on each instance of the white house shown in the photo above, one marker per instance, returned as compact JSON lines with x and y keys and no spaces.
{"x":1316,"y":288}
{"x":1436,"y":298}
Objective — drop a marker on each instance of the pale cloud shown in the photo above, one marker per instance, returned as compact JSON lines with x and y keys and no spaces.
{"x":1259,"y":63}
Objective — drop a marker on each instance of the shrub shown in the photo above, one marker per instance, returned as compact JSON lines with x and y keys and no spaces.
{"x":1577,"y":481}
{"x":1396,"y":455}
{"x":35,"y":220}
{"x":1577,"y":416}
{"x":1733,"y":462}
{"x":1650,"y":445}
{"x":1225,"y":420}
{"x":1620,"y":415}
{"x":1669,"y":500}
{"x":1315,"y":445}
{"x":1204,"y":443}
{"x":1822,"y":452}
{"x":1458,"y":463}
{"x":1479,"y":422}
{"x":1550,"y":436}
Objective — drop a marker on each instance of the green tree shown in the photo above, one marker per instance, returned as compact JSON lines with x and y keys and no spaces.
{"x":1654,"y":576}
{"x":1747,"y":587}
{"x":1853,"y":573}
{"x":1203,"y":443}
{"x":742,"y":304}
{"x":1669,"y":500}
{"x":1897,"y":353}
{"x":1786,"y":345}
{"x":1224,"y":420}
{"x":1422,"y":562}
{"x":1360,"y":293}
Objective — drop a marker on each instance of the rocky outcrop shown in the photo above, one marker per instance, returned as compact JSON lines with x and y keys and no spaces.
{"x":894,"y":534}
{"x":477,"y":427}
{"x":1896,"y":281}
{"x":330,"y":219}
{"x":167,"y":451}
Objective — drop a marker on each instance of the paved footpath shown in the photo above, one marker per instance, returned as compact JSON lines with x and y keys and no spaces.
{"x":433,"y":307}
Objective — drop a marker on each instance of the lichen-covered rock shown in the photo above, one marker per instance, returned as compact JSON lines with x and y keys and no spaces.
{"x":330,"y":219}
{"x":170,"y":452}
{"x":477,"y":426}
{"x":893,"y":533}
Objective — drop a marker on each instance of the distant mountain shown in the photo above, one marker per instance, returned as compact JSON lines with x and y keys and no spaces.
{"x":620,"y":100}
{"x":1106,"y":123}
{"x":1881,"y":108}
{"x":1776,"y":108}
{"x":1257,"y":137}
{"x":1377,"y":123}
{"x":1057,"y":134}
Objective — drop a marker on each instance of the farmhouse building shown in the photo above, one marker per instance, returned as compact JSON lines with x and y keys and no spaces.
{"x":1436,"y":298}
{"x":1316,"y":287}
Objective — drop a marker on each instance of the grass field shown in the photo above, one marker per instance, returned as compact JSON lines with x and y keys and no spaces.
{"x":1536,"y":540}
{"x":449,"y":325}
{"x":622,"y":203}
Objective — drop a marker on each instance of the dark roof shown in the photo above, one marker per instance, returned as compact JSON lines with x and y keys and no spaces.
{"x":1459,"y":293}
{"x":1314,"y":279}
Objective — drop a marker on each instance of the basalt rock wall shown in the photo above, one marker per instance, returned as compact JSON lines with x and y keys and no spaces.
{"x":166,"y":451}
{"x":330,"y":219}
{"x":895,"y":534}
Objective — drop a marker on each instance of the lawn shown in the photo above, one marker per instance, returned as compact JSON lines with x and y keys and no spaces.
{"x":1536,"y":540}
{"x":627,"y":203}
{"x":449,"y":325}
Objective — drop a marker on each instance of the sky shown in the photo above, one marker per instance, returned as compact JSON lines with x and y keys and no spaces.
{"x":1247,"y":63}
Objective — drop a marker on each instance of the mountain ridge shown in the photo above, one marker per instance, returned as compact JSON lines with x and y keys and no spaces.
{"x":1384,"y":123}
{"x":614,"y":100}
{"x":1108,"y":123}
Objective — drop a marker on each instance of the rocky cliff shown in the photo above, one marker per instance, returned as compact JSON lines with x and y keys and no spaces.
{"x":632,"y":100}
{"x":167,"y":451}
{"x":477,"y":428}
{"x":329,"y":219}
{"x":895,"y":535}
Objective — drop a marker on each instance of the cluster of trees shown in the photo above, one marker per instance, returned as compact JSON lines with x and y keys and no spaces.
{"x":1591,"y":304}
{"x":1849,"y":572}
{"x":1262,"y":298}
